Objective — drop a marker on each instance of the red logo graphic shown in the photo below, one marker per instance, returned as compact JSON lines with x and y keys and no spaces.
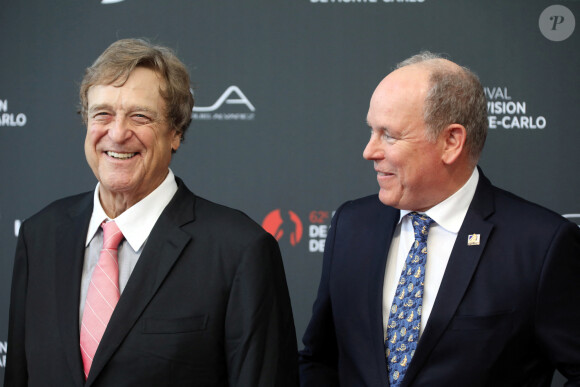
{"x":274,"y":223}
{"x":318,"y":217}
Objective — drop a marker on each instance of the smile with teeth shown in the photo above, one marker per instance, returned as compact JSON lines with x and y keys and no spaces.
{"x":121,"y":156}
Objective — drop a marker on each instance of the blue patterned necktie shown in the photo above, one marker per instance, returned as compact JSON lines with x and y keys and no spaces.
{"x":405,"y":317}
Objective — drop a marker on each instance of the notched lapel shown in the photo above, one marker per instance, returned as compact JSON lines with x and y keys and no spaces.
{"x":460,"y":269}
{"x":163,"y":248}
{"x":385,"y":227}
{"x":71,"y":234}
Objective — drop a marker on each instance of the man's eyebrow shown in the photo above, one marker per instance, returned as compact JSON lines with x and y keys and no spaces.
{"x":378,"y":128}
{"x":101,"y":106}
{"x":154,"y":114}
{"x":131,"y":109}
{"x":139,"y":108}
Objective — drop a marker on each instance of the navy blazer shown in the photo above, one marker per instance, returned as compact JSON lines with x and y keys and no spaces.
{"x":507,"y":312}
{"x":206,"y":305}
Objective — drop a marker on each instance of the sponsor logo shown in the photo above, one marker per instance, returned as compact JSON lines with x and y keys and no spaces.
{"x":317,"y":227}
{"x":244,"y":110}
{"x":318,"y":230}
{"x":505,"y":113}
{"x":10,"y":119}
{"x":557,"y":23}
{"x":276,"y":225}
{"x":17,"y":224}
{"x":3,"y":349}
{"x":573,"y":218}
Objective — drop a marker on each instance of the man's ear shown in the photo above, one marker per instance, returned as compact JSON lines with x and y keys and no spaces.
{"x":175,"y":141}
{"x":454,"y":137}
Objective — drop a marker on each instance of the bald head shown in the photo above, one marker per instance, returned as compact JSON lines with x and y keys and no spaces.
{"x":401,"y":94}
{"x":429,"y":60}
{"x":428,"y":123}
{"x":454,"y":96}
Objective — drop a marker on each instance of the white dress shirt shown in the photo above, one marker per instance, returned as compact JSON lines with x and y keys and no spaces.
{"x":135,"y":223}
{"x":448,"y":216}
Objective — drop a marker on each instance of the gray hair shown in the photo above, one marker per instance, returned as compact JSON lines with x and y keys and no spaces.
{"x":117,"y":62}
{"x":454,"y":97}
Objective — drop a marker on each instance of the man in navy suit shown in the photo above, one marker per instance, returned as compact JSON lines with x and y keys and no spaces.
{"x":499,"y":293}
{"x":203,"y":297}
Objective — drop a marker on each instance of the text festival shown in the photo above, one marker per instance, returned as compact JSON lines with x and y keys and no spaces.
{"x":508,"y":114}
{"x":10,"y":119}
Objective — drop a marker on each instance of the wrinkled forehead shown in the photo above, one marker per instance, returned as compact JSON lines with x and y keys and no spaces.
{"x":401,"y":92}
{"x":405,"y":82}
{"x":142,"y":87}
{"x":118,"y":77}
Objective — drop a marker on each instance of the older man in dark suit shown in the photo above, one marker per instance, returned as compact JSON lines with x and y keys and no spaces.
{"x":442,"y":279}
{"x":142,"y":283}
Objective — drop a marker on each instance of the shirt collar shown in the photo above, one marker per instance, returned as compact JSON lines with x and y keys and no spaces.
{"x":450,"y":213}
{"x":137,"y":221}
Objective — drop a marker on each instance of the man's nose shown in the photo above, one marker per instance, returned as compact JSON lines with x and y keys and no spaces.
{"x":373,"y":151}
{"x":119,"y":130}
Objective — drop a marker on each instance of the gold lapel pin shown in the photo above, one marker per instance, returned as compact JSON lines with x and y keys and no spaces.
{"x":473,"y":240}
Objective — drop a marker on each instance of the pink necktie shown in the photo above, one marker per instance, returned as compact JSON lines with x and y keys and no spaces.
{"x":102,"y":296}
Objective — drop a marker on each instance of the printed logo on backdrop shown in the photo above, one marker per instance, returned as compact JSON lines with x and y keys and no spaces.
{"x":17,"y":223}
{"x":573,"y":218}
{"x":231,"y":105}
{"x":557,"y":23}
{"x":3,"y":349}
{"x":284,"y":224}
{"x":279,"y":223}
{"x":10,"y":118}
{"x":503,"y":112}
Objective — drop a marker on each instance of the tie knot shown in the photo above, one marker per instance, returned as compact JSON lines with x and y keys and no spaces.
{"x":421,"y":224}
{"x":112,"y":236}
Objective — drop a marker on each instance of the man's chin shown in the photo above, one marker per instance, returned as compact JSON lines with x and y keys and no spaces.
{"x":386,"y":198}
{"x":115,"y":187}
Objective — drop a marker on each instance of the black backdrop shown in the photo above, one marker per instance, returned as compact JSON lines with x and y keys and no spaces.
{"x":282,"y":90}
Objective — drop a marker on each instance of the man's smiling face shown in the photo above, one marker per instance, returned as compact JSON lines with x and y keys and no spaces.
{"x":129,"y":142}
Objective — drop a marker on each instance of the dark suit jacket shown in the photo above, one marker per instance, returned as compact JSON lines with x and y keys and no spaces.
{"x":206,"y":305}
{"x":507,"y":312}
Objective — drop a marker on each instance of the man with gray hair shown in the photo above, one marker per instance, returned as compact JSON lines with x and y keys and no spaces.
{"x":140,"y":282}
{"x":441,"y":279}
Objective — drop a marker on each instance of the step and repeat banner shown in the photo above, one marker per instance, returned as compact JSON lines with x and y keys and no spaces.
{"x":282,"y":90}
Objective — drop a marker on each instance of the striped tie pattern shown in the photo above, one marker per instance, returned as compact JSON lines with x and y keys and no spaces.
{"x":102,"y":296}
{"x":405,"y":315}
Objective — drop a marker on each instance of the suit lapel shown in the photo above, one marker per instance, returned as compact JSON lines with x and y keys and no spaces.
{"x":71,"y":234}
{"x":387,"y":221}
{"x":458,"y":274}
{"x":162,"y":250}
